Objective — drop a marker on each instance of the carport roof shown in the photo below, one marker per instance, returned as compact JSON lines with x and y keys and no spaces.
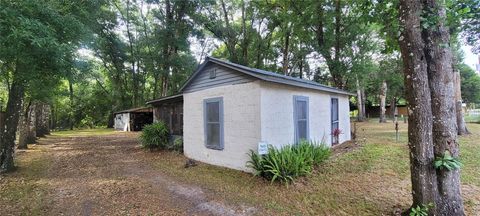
{"x":135,"y":110}
{"x":167,"y":99}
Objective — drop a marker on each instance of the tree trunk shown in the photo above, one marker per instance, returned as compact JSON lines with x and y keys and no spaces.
{"x":300,"y":67}
{"x":393,"y":107}
{"x":23,"y":126}
{"x":364,"y":101}
{"x":27,"y":128}
{"x":423,"y":174}
{"x":286,"y":51}
{"x":245,"y":41}
{"x":432,"y":120}
{"x":43,"y":114}
{"x":462,"y":126}
{"x":135,"y":84}
{"x":336,"y":70}
{"x":7,"y":140}
{"x":325,"y":49}
{"x":70,"y":114}
{"x":111,"y":121}
{"x":231,"y":40}
{"x":53,"y":120}
{"x":360,"y":106}
{"x":383,"y":99}
{"x":440,"y":72}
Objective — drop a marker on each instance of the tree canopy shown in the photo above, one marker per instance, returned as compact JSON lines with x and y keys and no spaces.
{"x":97,"y":57}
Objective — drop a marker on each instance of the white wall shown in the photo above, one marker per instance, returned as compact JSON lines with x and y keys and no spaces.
{"x":277,"y":123}
{"x":122,"y":121}
{"x":241,"y":106}
{"x":253,"y":112}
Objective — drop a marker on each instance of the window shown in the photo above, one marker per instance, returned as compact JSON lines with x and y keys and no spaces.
{"x":300,"y":117}
{"x":213,"y":73}
{"x":334,"y":117}
{"x":213,"y":118}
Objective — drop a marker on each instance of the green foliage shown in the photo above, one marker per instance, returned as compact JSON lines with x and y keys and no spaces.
{"x":289,"y":162}
{"x":447,"y":162}
{"x":155,"y":136}
{"x":420,"y":210}
{"x":177,"y":144}
{"x":256,"y":162}
{"x":470,"y":84}
{"x":429,"y":19}
{"x":463,"y":16}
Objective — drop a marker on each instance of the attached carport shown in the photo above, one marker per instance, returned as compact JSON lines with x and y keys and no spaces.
{"x":170,"y":111}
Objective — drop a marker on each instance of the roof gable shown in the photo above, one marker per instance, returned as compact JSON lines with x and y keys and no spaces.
{"x":213,"y":75}
{"x":262,"y":75}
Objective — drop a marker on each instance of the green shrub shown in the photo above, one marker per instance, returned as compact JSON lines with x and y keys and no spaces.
{"x":177,"y":144}
{"x":447,"y":162}
{"x":420,"y":210}
{"x":314,"y":151}
{"x":289,"y":162}
{"x":155,"y":136}
{"x":256,"y":163}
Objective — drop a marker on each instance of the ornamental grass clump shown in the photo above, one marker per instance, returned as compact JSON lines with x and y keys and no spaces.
{"x":155,"y":136}
{"x":289,"y":162}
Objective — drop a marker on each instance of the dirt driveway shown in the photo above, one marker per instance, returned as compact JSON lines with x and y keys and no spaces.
{"x":111,"y":175}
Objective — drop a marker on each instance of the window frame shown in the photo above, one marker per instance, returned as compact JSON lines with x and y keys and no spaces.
{"x":337,"y":121}
{"x":212,"y":73}
{"x":220,"y":119}
{"x":297,"y":98}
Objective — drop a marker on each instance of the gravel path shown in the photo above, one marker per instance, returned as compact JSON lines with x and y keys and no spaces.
{"x":108,"y":175}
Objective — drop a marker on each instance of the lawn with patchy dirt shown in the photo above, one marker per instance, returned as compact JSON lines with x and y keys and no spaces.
{"x":102,"y":172}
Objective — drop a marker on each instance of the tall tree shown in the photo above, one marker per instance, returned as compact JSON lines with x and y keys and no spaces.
{"x":37,"y":39}
{"x":429,"y":81}
{"x":383,"y":102}
{"x":27,"y":125}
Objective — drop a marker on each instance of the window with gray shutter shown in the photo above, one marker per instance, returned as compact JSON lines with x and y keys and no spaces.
{"x":300,"y":117}
{"x":334,"y":117}
{"x":213,"y":119}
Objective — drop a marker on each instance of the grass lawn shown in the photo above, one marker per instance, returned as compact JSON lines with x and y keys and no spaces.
{"x":26,"y":187}
{"x":85,"y":132}
{"x":472,"y":118}
{"x":371,"y":180}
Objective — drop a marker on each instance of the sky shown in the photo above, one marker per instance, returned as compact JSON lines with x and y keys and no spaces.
{"x":470,"y":58}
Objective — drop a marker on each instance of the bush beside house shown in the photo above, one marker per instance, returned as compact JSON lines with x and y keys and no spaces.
{"x":289,"y":162}
{"x":155,"y":136}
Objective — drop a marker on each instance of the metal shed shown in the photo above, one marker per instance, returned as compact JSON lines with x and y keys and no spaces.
{"x":133,"y":119}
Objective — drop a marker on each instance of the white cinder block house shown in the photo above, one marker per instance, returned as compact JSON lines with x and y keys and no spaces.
{"x":229,"y":109}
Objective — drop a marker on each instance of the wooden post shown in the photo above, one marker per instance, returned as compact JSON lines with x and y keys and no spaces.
{"x":396,"y":125}
{"x":396,"y":131}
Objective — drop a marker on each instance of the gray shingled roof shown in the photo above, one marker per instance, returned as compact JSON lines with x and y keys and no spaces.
{"x":269,"y":77}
